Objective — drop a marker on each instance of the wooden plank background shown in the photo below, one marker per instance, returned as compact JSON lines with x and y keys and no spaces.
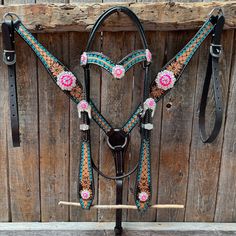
{"x":44,"y":170}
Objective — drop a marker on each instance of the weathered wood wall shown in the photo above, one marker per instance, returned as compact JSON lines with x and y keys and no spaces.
{"x":44,"y":170}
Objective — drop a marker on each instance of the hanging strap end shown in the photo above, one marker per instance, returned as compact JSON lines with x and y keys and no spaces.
{"x":16,"y":141}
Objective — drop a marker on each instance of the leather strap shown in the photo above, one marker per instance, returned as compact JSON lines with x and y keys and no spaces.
{"x":143,"y":186}
{"x":212,"y":74}
{"x":117,"y":141}
{"x":85,"y":170}
{"x":118,"y":154}
{"x":114,"y":135}
{"x":111,"y":11}
{"x":9,"y":57}
{"x":187,"y":52}
{"x":143,"y":176}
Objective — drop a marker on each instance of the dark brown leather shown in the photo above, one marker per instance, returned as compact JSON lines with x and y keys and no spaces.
{"x":9,"y":57}
{"x":212,"y":74}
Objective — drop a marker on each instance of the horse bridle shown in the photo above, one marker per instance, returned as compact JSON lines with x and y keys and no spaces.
{"x":118,"y":139}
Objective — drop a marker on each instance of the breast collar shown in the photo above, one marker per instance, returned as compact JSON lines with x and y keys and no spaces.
{"x":154,"y":90}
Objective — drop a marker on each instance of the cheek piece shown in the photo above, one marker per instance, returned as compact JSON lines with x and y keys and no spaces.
{"x":154,"y":90}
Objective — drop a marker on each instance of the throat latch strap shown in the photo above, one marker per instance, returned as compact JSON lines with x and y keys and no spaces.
{"x":212,"y":74}
{"x":9,"y":57}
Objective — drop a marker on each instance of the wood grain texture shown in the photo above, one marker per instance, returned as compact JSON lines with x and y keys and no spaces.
{"x":116,"y":107}
{"x":4,"y":116}
{"x":183,"y":169}
{"x":106,"y":229}
{"x":176,"y":134}
{"x":77,"y":45}
{"x":225,"y":208}
{"x":54,"y":135}
{"x":154,"y":16}
{"x":156,"y":42}
{"x":24,"y":160}
{"x":54,"y":132}
{"x":111,"y":233}
{"x":125,"y":102}
{"x":205,"y":158}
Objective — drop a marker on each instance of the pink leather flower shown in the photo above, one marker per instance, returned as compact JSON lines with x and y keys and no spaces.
{"x":83,"y":105}
{"x":118,"y":71}
{"x":165,"y":79}
{"x":143,"y":196}
{"x":150,"y":103}
{"x":66,"y":80}
{"x":85,"y":194}
{"x":83,"y":59}
{"x":148,"y":55}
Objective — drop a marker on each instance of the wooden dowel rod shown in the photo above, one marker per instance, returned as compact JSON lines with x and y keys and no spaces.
{"x":121,"y":206}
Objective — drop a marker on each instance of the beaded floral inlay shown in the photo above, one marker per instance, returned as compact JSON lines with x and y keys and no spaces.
{"x":161,"y":84}
{"x":85,"y":176}
{"x":144,"y":181}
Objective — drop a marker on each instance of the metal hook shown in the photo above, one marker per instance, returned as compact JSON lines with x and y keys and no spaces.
{"x":12,"y":15}
{"x":218,"y":9}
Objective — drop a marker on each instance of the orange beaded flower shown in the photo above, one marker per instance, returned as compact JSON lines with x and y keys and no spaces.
{"x":156,"y":92}
{"x":76,"y":92}
{"x":56,"y":69}
{"x":175,"y":67}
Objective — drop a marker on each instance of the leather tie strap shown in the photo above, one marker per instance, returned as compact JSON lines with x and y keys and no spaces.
{"x":9,"y":57}
{"x":212,"y":74}
{"x":111,"y":11}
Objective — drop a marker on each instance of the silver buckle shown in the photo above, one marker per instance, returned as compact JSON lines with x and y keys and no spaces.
{"x":147,"y":126}
{"x":6,"y":59}
{"x":219,"y":51}
{"x":84,"y":127}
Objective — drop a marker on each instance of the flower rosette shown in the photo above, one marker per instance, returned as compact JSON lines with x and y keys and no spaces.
{"x":148,"y":55}
{"x":165,"y":79}
{"x":66,"y":80}
{"x":85,"y":194}
{"x":83,"y":59}
{"x":149,"y":104}
{"x":143,"y":196}
{"x":118,"y":71}
{"x":83,"y":106}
